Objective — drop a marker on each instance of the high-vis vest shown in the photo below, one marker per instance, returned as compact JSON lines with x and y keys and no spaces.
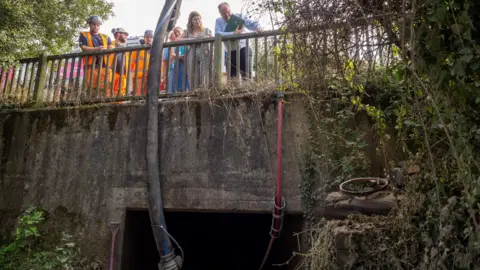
{"x":126,"y":56}
{"x":89,"y":60}
{"x":143,"y":62}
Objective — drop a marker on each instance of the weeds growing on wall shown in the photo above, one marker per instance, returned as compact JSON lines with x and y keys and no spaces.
{"x":413,"y":69}
{"x":30,"y":250}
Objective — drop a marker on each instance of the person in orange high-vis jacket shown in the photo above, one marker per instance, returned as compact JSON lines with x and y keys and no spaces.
{"x":143,"y":59}
{"x":121,"y":65}
{"x":93,"y":41}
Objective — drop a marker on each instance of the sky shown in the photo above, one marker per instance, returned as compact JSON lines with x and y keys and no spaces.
{"x":139,"y":15}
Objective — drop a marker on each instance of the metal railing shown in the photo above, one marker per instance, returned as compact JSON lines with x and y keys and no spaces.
{"x":94,"y":77}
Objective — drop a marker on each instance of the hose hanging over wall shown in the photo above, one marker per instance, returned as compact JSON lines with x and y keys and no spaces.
{"x":168,"y":260}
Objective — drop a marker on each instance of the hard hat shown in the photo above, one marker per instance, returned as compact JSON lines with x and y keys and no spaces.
{"x":119,"y":30}
{"x":94,"y":19}
{"x":148,"y":33}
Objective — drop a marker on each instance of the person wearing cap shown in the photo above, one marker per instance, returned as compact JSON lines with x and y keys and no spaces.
{"x":143,"y":59}
{"x":94,"y":41}
{"x":120,"y":36}
{"x":121,"y":63}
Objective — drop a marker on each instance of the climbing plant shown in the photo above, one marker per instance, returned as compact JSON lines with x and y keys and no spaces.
{"x":401,"y":77}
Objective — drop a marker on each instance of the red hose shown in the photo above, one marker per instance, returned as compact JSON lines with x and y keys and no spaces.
{"x":112,"y":247}
{"x":278,"y":193}
{"x":279,"y":153}
{"x":112,"y":253}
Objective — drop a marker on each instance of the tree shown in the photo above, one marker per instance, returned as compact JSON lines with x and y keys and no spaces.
{"x":28,"y":28}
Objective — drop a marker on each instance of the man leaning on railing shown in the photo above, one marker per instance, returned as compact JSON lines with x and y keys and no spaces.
{"x":121,"y":62}
{"x":220,"y":28}
{"x":94,"y":41}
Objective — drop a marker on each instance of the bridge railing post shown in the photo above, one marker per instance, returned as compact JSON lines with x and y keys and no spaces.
{"x":218,"y":59}
{"x":40,"y":79}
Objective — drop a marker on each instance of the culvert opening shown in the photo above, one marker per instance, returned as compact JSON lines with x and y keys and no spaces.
{"x":212,"y":240}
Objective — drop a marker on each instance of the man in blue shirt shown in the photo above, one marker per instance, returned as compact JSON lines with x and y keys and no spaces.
{"x":93,"y":40}
{"x":221,"y":24}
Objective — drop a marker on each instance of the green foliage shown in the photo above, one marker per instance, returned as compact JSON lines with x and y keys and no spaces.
{"x":27,"y":228}
{"x":29,"y":250}
{"x":28,"y":28}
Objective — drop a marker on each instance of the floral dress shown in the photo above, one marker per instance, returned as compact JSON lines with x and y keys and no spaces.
{"x":199,"y":77}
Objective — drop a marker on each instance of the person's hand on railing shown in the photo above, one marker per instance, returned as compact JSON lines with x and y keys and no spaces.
{"x":260,"y":30}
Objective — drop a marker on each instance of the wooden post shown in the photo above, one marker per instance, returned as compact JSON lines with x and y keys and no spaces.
{"x":40,"y":79}
{"x":218,"y":59}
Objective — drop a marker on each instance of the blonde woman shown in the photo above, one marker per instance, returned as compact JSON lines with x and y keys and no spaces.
{"x":199,"y":76}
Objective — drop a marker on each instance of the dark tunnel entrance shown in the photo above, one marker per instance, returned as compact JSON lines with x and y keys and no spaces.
{"x":212,"y":240}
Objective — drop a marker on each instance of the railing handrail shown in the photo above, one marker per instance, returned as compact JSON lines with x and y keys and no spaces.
{"x":188,"y":42}
{"x":224,"y":38}
{"x":251,"y":35}
{"x":21,"y":61}
{"x":108,"y":51}
{"x":28,"y":60}
{"x":166,"y":45}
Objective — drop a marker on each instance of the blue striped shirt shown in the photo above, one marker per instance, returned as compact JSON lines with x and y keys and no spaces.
{"x":221,"y":24}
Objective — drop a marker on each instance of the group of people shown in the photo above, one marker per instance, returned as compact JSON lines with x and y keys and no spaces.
{"x":114,"y":67}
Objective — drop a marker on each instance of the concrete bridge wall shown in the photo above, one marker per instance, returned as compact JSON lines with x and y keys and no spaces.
{"x":89,"y":163}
